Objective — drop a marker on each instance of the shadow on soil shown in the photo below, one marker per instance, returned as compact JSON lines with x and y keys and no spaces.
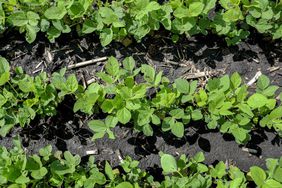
{"x":67,"y":131}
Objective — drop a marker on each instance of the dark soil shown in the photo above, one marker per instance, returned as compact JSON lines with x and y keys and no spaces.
{"x":68,"y":131}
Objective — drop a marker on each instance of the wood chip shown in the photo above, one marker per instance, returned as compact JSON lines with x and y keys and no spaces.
{"x":39,"y":64}
{"x":250,"y":150}
{"x":92,"y":152}
{"x":48,"y":56}
{"x":254,"y":79}
{"x":92,"y":80}
{"x":83,"y":81}
{"x":273,"y":69}
{"x":119,"y":156}
{"x":36,"y":71}
{"x":85,"y":63}
{"x":203,"y":74}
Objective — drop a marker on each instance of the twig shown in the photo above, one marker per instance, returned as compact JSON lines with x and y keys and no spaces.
{"x":119,"y":156}
{"x":249,"y":150}
{"x":90,"y":81}
{"x":48,"y":56}
{"x":202,"y":74}
{"x":255,"y":60}
{"x":254,"y":79}
{"x":84,"y":63}
{"x":272,"y":69}
{"x":36,"y":71}
{"x":83,"y":81}
{"x":92,"y":152}
{"x":176,"y":63}
{"x":39,"y":64}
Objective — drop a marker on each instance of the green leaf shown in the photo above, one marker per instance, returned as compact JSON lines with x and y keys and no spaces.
{"x":224,"y":110}
{"x":107,"y":106}
{"x":59,"y":25}
{"x":97,"y":126}
{"x":85,"y":103}
{"x":76,"y":10}
{"x":195,"y":9}
{"x":44,"y":25}
{"x":112,"y":66}
{"x":72,"y":83}
{"x":168,"y":163}
{"x":105,"y":77}
{"x":31,"y":32}
{"x":4,"y":71}
{"x":277,"y":175}
{"x":233,"y":15}
{"x":184,"y":25}
{"x":22,"y":180}
{"x":241,"y":135}
{"x":276,"y":113}
{"x":193,"y":87}
{"x":270,"y":91}
{"x":235,"y":80}
{"x":182,"y":85}
{"x":175,"y":38}
{"x":39,"y":174}
{"x":109,"y":171}
{"x":18,"y":19}
{"x":106,"y":36}
{"x":219,"y":170}
{"x":155,"y":120}
{"x":181,"y":12}
{"x":88,"y":26}
{"x":124,"y":185}
{"x":129,"y":63}
{"x":2,"y":17}
{"x":197,"y":115}
{"x":267,"y":15}
{"x":33,"y":18}
{"x":147,"y":129}
{"x":210,"y":4}
{"x":123,"y":115}
{"x":53,"y":33}
{"x":199,"y":157}
{"x":46,"y":152}
{"x":111,"y":121}
{"x":177,"y":129}
{"x":158,"y":78}
{"x":258,"y":175}
{"x":270,"y":183}
{"x":149,"y":73}
{"x":278,"y":33}
{"x":213,"y":84}
{"x":246,"y":109}
{"x":177,"y":113}
{"x":5,"y":128}
{"x":225,"y":82}
{"x":201,"y":98}
{"x":186,"y":98}
{"x":55,"y":13}
{"x":257,"y":100}
{"x":263,"y":82}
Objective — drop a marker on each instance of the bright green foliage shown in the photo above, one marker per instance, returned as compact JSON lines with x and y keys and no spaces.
{"x":48,"y":169}
{"x":59,"y":169}
{"x":100,"y":127}
{"x":223,"y":104}
{"x":124,"y":18}
{"x":22,"y":97}
{"x":143,"y":98}
{"x":270,"y":178}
